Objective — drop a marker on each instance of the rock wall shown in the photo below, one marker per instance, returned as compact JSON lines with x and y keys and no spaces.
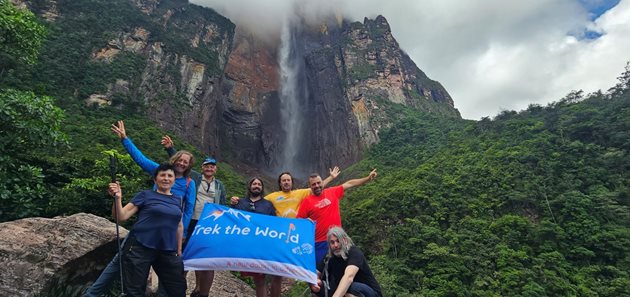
{"x":219,"y":87}
{"x":249,"y":101}
{"x":352,"y":74}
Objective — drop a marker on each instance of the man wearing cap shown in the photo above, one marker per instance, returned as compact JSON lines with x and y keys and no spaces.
{"x":209,"y":190}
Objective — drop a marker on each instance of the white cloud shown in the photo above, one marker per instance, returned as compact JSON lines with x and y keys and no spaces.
{"x":489,"y":54}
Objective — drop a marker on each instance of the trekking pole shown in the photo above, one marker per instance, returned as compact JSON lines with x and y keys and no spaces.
{"x":112,"y":172}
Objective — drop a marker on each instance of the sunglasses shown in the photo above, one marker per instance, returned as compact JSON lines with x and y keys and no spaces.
{"x":252,"y":206}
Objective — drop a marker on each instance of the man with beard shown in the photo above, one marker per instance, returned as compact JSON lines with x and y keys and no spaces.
{"x":209,"y":190}
{"x":322,"y":206}
{"x":287,"y":199}
{"x":345,"y":271}
{"x":254,"y":202}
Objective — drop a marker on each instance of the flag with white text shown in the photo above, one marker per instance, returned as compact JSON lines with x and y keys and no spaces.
{"x":236,"y":240}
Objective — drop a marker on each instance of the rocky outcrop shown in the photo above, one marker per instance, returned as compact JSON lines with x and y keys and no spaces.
{"x":180,"y":79}
{"x":61,"y":256}
{"x":224,"y":285}
{"x":39,"y":254}
{"x":376,"y":71}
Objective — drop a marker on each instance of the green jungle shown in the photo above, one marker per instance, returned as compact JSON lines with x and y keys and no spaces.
{"x":529,"y":203}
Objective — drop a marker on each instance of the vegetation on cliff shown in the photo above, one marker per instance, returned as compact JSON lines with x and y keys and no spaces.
{"x":534,"y":203}
{"x":55,"y":149}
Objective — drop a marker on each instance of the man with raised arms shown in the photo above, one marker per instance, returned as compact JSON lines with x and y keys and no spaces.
{"x":322,"y":206}
{"x":287,"y":202}
{"x":287,"y":199}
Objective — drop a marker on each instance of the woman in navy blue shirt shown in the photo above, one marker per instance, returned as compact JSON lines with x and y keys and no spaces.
{"x":156,"y":237}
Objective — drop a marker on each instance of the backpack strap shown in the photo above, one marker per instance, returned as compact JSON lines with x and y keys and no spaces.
{"x":188,"y":179}
{"x":326,"y":282}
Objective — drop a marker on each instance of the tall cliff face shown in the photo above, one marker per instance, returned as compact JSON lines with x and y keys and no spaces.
{"x":250,"y":102}
{"x":166,"y":58}
{"x":181,"y":88}
{"x":347,"y":77}
{"x":314,"y":97}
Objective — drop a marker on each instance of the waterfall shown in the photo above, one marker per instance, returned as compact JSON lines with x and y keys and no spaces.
{"x":292,"y":95}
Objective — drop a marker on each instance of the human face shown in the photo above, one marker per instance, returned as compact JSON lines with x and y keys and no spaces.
{"x":316,"y":185}
{"x":209,"y":170}
{"x":182,"y":164}
{"x":165,"y":180}
{"x":286,"y":182}
{"x":335,"y":245}
{"x":255,"y":188}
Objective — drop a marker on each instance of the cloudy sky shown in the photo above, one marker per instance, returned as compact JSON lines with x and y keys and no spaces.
{"x":491,"y":55}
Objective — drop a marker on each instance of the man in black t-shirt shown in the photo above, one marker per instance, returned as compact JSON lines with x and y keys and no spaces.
{"x":254,"y":202}
{"x":344,"y":271}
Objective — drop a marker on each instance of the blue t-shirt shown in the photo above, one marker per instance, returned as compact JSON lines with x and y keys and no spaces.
{"x":158,"y":218}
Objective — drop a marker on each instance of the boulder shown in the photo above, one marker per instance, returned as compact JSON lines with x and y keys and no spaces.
{"x":63,"y":255}
{"x":58,"y":256}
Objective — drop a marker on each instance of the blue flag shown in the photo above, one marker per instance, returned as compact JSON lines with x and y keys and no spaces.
{"x":236,"y":240}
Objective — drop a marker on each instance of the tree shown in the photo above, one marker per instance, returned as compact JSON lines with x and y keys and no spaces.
{"x":624,"y":82}
{"x":30,"y":126}
{"x":20,"y":36}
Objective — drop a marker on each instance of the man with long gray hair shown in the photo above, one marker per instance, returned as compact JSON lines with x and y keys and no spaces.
{"x":344,"y":271}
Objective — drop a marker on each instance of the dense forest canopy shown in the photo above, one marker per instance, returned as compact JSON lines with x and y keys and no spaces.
{"x":530,"y":203}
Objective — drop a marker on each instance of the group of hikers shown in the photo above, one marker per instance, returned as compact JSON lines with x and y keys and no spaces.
{"x":168,"y":213}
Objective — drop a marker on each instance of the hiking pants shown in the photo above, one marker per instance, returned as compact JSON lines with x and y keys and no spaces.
{"x":167,"y":265}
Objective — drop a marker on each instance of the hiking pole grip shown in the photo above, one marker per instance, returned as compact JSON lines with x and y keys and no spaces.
{"x":112,"y":167}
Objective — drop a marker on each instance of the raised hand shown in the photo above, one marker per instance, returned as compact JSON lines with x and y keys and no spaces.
{"x":373,"y":174}
{"x":167,"y":142}
{"x":119,"y":129}
{"x":334,"y":172}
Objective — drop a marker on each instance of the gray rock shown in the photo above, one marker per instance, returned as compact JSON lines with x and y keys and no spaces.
{"x":63,"y":255}
{"x":40,"y":256}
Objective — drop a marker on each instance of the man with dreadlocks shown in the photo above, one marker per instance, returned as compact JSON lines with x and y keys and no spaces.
{"x":344,"y":271}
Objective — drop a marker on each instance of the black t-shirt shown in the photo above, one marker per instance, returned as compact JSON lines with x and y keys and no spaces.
{"x":261,"y":206}
{"x":337,"y":267}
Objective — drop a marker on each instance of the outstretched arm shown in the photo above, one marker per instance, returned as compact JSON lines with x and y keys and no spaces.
{"x":359,"y":181}
{"x":145,"y":163}
{"x":333,"y":173}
